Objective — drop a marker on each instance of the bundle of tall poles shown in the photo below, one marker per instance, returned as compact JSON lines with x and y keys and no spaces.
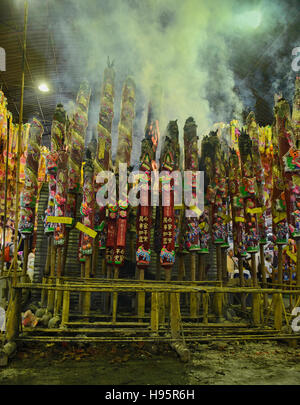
{"x":234,"y":186}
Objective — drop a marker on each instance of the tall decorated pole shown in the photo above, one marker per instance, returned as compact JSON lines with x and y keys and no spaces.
{"x":237,"y":213}
{"x":57,"y":146}
{"x":169,"y":162}
{"x":225,"y":153}
{"x":118,"y":215}
{"x":88,"y":233}
{"x":76,"y":140}
{"x":191,"y":164}
{"x":249,"y":193}
{"x":144,"y":210}
{"x":103,"y":161}
{"x":60,"y":197}
{"x":296,"y":177}
{"x":30,"y":190}
{"x":253,"y":131}
{"x":217,"y":191}
{"x":288,"y":155}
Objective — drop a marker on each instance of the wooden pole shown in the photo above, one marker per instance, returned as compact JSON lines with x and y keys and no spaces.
{"x":201,"y":267}
{"x":280,"y":265}
{"x":277,"y":298}
{"x":168,"y":271}
{"x":205,"y":302}
{"x":86,"y":305}
{"x":242,"y":283}
{"x":218,"y":297}
{"x":158,"y":268}
{"x":154,"y":312}
{"x":82,"y":272}
{"x":115,"y":297}
{"x":107,"y":297}
{"x":50,"y":304}
{"x":193,"y":296}
{"x":5,"y":197}
{"x":66,"y":245}
{"x":58,"y":293}
{"x":48,"y":258}
{"x":263,"y":272}
{"x":141,"y":296}
{"x":25,"y":255}
{"x":95,"y":254}
{"x":253,"y":270}
{"x":255,"y":296}
{"x":224,"y":264}
{"x":181,"y":267}
{"x":17,"y":195}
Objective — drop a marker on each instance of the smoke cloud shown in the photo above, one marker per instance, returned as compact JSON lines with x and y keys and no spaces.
{"x":206,"y":56}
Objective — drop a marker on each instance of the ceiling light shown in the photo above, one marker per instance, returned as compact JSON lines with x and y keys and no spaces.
{"x":43,"y":87}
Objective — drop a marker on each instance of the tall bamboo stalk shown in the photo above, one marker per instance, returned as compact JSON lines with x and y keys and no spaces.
{"x":17,"y":195}
{"x":5,"y":196}
{"x":30,"y":190}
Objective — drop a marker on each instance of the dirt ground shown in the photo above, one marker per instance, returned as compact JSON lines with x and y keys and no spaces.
{"x":216,"y":363}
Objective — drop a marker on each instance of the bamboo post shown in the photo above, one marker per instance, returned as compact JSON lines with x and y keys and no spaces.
{"x":154,"y":312}
{"x":107,"y":296}
{"x":224,"y":264}
{"x":175,"y":316}
{"x":255,"y":296}
{"x":218,"y":297}
{"x":58,"y":293}
{"x":86,"y":305}
{"x":161,"y":308}
{"x":44,"y":294}
{"x":115,"y":297}
{"x":95,"y":254}
{"x":181,"y":267}
{"x":46,"y":272}
{"x":175,"y":321}
{"x":65,"y":254}
{"x":201,"y":267}
{"x":263,"y":272}
{"x":103,"y":267}
{"x":51,"y":293}
{"x":48,"y":258}
{"x":25,"y":255}
{"x":278,"y":297}
{"x":242,"y":283}
{"x":277,"y":301}
{"x":82,"y":272}
{"x":193,"y":296}
{"x":158,"y":268}
{"x":141,"y":296}
{"x":280,"y":265}
{"x":5,"y":197}
{"x":205,"y":301}
{"x":65,"y":308}
{"x":224,"y":270}
{"x":13,"y":314}
{"x":168,"y":271}
{"x":17,"y":195}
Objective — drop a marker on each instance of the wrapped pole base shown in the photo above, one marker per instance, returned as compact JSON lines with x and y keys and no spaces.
{"x":193,"y":296}
{"x":141,"y":297}
{"x":13,"y":315}
{"x":86,"y":300}
{"x":175,"y":321}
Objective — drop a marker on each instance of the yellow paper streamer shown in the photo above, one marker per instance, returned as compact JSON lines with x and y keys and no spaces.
{"x":59,"y":220}
{"x":86,"y":230}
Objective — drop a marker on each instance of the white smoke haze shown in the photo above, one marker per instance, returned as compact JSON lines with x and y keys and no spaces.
{"x":200,"y":53}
